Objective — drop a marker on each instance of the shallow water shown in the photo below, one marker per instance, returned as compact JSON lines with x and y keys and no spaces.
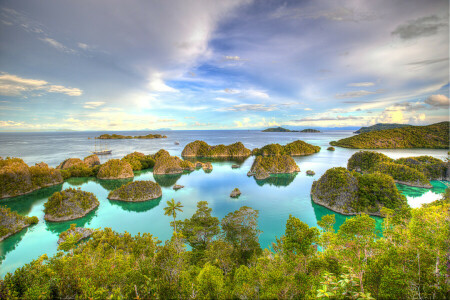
{"x":275,"y":198}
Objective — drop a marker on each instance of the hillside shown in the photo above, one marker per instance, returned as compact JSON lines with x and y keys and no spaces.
{"x":278,"y":129}
{"x":435,"y":136}
{"x":381,"y":126}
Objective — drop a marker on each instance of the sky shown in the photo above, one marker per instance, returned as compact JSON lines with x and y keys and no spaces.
{"x":234,"y":64}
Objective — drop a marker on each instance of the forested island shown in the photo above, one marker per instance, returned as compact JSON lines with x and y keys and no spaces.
{"x":278,"y":129}
{"x":381,"y":126}
{"x":263,"y":166}
{"x":296,"y":148}
{"x":11,"y":222}
{"x":120,"y":137}
{"x":435,"y":136}
{"x":136,"y":191}
{"x":310,"y":130}
{"x":202,"y":149}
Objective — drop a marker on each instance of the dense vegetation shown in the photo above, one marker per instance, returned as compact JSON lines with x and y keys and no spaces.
{"x":119,"y":137}
{"x":226,"y":261}
{"x":136,"y":191}
{"x":17,"y":178}
{"x":11,"y":222}
{"x":69,"y":204}
{"x":380,"y":126}
{"x":351,"y":193}
{"x":432,"y":136}
{"x":167,"y":164}
{"x":115,"y":169}
{"x":310,"y":130}
{"x":139,"y":161}
{"x":432,"y":168}
{"x":202,"y":149}
{"x":263,"y":166}
{"x":296,"y":148}
{"x":278,"y":129}
{"x":73,"y":235}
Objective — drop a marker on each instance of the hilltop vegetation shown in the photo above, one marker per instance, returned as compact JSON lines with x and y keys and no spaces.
{"x":310,"y":130}
{"x":278,"y":129}
{"x":202,"y":149}
{"x":226,"y":262}
{"x":17,"y":178}
{"x":120,"y":137}
{"x":115,"y":169}
{"x":380,"y":126}
{"x":167,"y":164}
{"x":136,"y":191}
{"x":434,"y":136}
{"x":11,"y":222}
{"x":296,"y":148}
{"x":263,"y":166}
{"x":139,"y":161}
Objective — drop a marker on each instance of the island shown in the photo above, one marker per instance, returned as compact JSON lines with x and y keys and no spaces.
{"x":122,"y":137}
{"x":381,"y":126}
{"x":91,"y":160}
{"x":202,"y":149}
{"x":263,"y":166}
{"x":77,"y":233}
{"x":351,"y":193}
{"x":235,"y":193}
{"x":139,"y":161}
{"x":296,"y":148}
{"x":435,"y":136}
{"x":311,"y":130}
{"x":278,"y":129}
{"x":136,"y":191}
{"x":331,"y":148}
{"x":11,"y":222}
{"x":167,"y":164}
{"x":115,"y":169}
{"x":412,"y":171}
{"x":69,"y":204}
{"x":17,"y":178}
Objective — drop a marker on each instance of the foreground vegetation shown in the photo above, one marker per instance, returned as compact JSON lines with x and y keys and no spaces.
{"x":226,"y":261}
{"x":434,"y":136}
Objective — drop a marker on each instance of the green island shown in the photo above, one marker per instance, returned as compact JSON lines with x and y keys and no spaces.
{"x":136,"y":191}
{"x":351,"y":193}
{"x":278,"y":129}
{"x":167,"y":164}
{"x":139,"y":161}
{"x":225,"y":260}
{"x":17,"y":178}
{"x":11,"y":222}
{"x":202,"y":149}
{"x":310,"y":130}
{"x":331,"y":148}
{"x":412,"y":171}
{"x":434,"y":136}
{"x":75,"y":167}
{"x":73,"y":235}
{"x":69,"y":204}
{"x":115,"y":169}
{"x":121,"y":137}
{"x":263,"y":166}
{"x":381,"y":126}
{"x":296,"y":148}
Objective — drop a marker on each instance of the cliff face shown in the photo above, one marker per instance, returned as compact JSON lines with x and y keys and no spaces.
{"x":264,"y":166}
{"x":202,"y":149}
{"x":136,"y":191}
{"x":351,"y":193}
{"x":18,"y":179}
{"x":115,"y":169}
{"x":297,"y":148}
{"x":69,"y":204}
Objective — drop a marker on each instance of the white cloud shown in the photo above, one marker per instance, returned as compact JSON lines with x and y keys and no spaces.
{"x":57,"y":45}
{"x":93,"y":105}
{"x":249,"y":107}
{"x":257,"y":94}
{"x":64,"y":90}
{"x":307,"y":108}
{"x":225,"y":100}
{"x":438,"y":101}
{"x":157,"y":84}
{"x":361,"y":84}
{"x":356,"y":94}
{"x":235,"y":58}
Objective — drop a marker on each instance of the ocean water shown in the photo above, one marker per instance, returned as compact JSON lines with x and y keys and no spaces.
{"x":275,"y":198}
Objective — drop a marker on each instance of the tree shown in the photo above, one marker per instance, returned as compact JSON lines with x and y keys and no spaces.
{"x":171,"y":210}
{"x":299,"y":237}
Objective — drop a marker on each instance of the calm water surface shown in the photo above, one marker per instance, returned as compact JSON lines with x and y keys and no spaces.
{"x":275,"y":198}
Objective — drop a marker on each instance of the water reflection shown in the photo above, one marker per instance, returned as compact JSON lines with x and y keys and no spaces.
{"x":58,"y":227}
{"x":77,"y":181}
{"x":236,"y":160}
{"x":11,"y":243}
{"x":113,"y":184}
{"x":137,"y":206}
{"x":279,"y":180}
{"x":167,"y":180}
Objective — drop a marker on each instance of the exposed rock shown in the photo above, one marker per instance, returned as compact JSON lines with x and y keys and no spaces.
{"x":310,"y":173}
{"x":136,"y":191}
{"x":41,"y":165}
{"x":331,"y":148}
{"x":79,"y":232}
{"x":235,"y":166}
{"x":91,"y":160}
{"x":207,"y":167}
{"x":177,"y":187}
{"x":264,"y":166}
{"x":18,"y":179}
{"x":115,"y":169}
{"x":69,"y":204}
{"x":11,"y":222}
{"x":202,"y":149}
{"x":70,"y":162}
{"x":198,"y":165}
{"x":296,"y":148}
{"x":235,"y":193}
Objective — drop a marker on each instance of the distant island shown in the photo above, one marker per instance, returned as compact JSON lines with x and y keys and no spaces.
{"x":278,"y":129}
{"x":310,"y":130}
{"x":434,"y":136}
{"x":381,"y":126}
{"x":120,"y":137}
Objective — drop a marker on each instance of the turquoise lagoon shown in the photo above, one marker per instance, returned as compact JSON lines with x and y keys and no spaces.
{"x":275,"y":198}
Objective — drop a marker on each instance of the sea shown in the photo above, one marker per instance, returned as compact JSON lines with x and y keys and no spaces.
{"x":275,"y":198}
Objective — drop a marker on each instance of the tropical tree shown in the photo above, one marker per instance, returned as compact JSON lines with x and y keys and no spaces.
{"x":171,"y":210}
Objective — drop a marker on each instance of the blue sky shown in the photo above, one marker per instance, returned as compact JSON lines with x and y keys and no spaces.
{"x":133,"y":65}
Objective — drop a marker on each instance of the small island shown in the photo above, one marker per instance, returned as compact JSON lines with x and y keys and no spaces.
{"x":202,"y":149}
{"x":77,"y":233}
{"x":331,"y":148}
{"x":136,"y":191}
{"x":69,"y":204}
{"x":296,"y":148}
{"x":139,"y":161}
{"x":167,"y":164}
{"x":122,"y":137}
{"x":310,"y":130}
{"x":235,"y":193}
{"x":351,"y":193}
{"x":381,"y":126}
{"x":435,"y":136}
{"x":115,"y":169}
{"x":11,"y":222}
{"x":278,"y":129}
{"x":263,"y":166}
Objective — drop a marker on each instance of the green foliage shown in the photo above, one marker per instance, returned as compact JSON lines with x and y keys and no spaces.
{"x":11,"y":222}
{"x":139,"y":161}
{"x":210,"y":283}
{"x":136,"y":191}
{"x":380,"y":126}
{"x":119,"y":136}
{"x":365,"y":161}
{"x":278,"y":129}
{"x":202,"y":149}
{"x":299,"y":237}
{"x":432,"y":168}
{"x":114,"y":169}
{"x":70,"y":203}
{"x":171,"y":210}
{"x":432,"y":136}
{"x":296,"y":148}
{"x":402,"y":173}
